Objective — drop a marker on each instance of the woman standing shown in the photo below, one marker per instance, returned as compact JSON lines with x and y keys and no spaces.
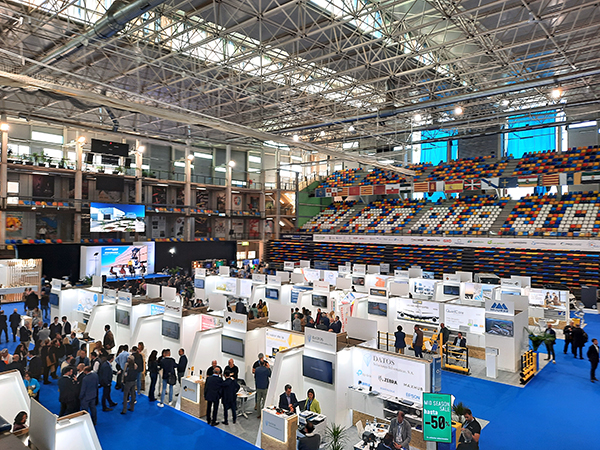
{"x":312,"y":404}
{"x":153,"y":370}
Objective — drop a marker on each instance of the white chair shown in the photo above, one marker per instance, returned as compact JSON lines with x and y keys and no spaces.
{"x":360,"y":429}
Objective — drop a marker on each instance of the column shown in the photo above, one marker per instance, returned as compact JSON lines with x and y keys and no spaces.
{"x":228,"y":178}
{"x":277,"y":202}
{"x":297,"y":201}
{"x":262,"y":199}
{"x":448,"y":151}
{"x":188,"y":231}
{"x":3,"y":177}
{"x":139,"y":160}
{"x":78,"y":187}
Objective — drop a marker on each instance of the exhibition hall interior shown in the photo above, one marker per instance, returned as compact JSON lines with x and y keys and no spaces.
{"x":315,"y":224}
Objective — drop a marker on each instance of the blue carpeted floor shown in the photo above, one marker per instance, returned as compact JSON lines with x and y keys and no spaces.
{"x":555,"y":410}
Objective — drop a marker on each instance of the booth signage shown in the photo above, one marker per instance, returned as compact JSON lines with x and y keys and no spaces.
{"x":500,"y":307}
{"x":321,"y":286}
{"x":287,"y":265}
{"x":401,"y":274}
{"x":305,"y":263}
{"x":451,"y":277}
{"x":173,"y":307}
{"x":259,"y":278}
{"x":359,"y":269}
{"x":343,"y":270}
{"x":456,"y":316}
{"x":509,"y":282}
{"x":200,"y":272}
{"x":320,"y":340}
{"x":437,"y":417}
{"x":56,"y":285}
{"x":156,"y":310}
{"x":384,"y":268}
{"x":208,"y":322}
{"x":274,"y":426}
{"x":273,"y":280}
{"x":125,"y":298}
{"x":330,"y":276}
{"x":168,"y":293}
{"x":277,"y":340}
{"x":153,"y":291}
{"x":110,"y":296}
{"x":224,"y":271}
{"x":235,"y":322}
{"x":190,"y":390}
{"x":311,"y":274}
{"x":283,"y":277}
{"x":345,"y":312}
{"x":417,"y":311}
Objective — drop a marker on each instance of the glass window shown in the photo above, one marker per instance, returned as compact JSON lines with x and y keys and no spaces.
{"x":47,"y":137}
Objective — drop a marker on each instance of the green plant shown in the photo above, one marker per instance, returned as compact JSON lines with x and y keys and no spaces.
{"x":458,"y":409}
{"x":539,"y":339}
{"x":175,"y":270}
{"x":336,"y":437}
{"x":87,"y":281}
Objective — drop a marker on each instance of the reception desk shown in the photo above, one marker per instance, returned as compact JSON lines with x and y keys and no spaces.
{"x":192,"y":396}
{"x":278,"y":430}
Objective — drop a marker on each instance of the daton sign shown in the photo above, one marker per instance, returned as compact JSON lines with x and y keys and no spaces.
{"x":437,"y":417}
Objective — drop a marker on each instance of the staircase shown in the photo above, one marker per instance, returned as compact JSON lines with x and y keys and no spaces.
{"x":497,"y":225}
{"x":510,"y":168}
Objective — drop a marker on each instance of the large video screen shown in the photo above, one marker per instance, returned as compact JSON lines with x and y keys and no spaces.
{"x":123,"y":258}
{"x":110,"y":217}
{"x":170,"y":329}
{"x":199,"y":283}
{"x":378,"y":308}
{"x":320,"y":301}
{"x":499,"y":327}
{"x":232,"y":346}
{"x":317,"y":369}
{"x":358,"y":281}
{"x":451,"y":290}
{"x":122,"y":317}
{"x":53,"y":299}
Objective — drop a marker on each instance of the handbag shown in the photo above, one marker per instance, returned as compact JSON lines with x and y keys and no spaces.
{"x":172,"y":379}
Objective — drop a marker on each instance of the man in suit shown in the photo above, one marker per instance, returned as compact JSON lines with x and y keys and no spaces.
{"x":593,"y":355}
{"x":181,"y":365}
{"x":551,"y":339}
{"x":3,"y":325}
{"x":15,"y":321}
{"x":578,"y":341}
{"x":75,"y":344}
{"x":288,"y":400}
{"x":211,"y":370}
{"x":105,"y":376}
{"x":418,"y":342}
{"x":262,"y":373}
{"x":109,"y":338}
{"x":35,"y":365}
{"x":67,"y":392}
{"x":66,"y":326}
{"x":55,"y":328}
{"x":460,"y":341}
{"x":230,"y":389}
{"x":336,"y":325}
{"x":311,"y":440}
{"x":88,"y":394}
{"x":212,"y":393}
{"x":401,"y":432}
{"x":240,"y":308}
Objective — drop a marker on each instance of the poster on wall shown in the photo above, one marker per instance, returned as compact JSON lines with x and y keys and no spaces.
{"x":456,"y":316}
{"x":208,"y":322}
{"x":417,"y":310}
{"x":124,"y":257}
{"x":422,"y":288}
{"x":14,"y":225}
{"x":201,"y":227}
{"x":202,"y":199}
{"x":345,"y":311}
{"x":158,"y":226}
{"x":180,"y":196}
{"x":548,"y":299}
{"x":227,"y":285}
{"x":238,"y":227}
{"x":237,"y":202}
{"x":86,"y":301}
{"x":179,"y":227}
{"x":277,"y":340}
{"x":221,"y":201}
{"x":220,"y":228}
{"x":478,"y":292}
{"x":254,"y":228}
{"x":390,"y":375}
{"x":42,"y":186}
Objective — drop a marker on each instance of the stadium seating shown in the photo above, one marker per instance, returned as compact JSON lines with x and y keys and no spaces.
{"x":471,"y":216}
{"x":576,"y":214}
{"x":576,"y":159}
{"x":472,"y":168}
{"x":341,"y":178}
{"x":384,"y":216}
{"x":330,"y":218}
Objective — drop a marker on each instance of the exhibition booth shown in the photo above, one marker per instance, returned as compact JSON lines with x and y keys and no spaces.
{"x":16,"y":275}
{"x":115,"y":261}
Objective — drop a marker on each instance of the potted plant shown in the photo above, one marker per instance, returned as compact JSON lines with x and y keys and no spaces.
{"x":63,"y":163}
{"x":458,"y":412}
{"x":87,"y":281}
{"x":336,"y":437}
{"x":118,"y":170}
{"x":100,"y":169}
{"x":148,"y":174}
{"x":539,"y":339}
{"x":27,"y":160}
{"x":53,"y":163}
{"x":39,"y":159}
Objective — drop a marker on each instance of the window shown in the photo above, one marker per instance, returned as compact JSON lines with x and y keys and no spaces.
{"x":251,"y":254}
{"x":254,"y":159}
{"x":47,"y":137}
{"x":53,"y":153}
{"x":19,"y":149}
{"x":241,"y":255}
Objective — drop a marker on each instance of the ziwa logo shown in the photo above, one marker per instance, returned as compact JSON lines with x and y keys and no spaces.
{"x":387,"y":380}
{"x":384,"y":360}
{"x":499,"y":307}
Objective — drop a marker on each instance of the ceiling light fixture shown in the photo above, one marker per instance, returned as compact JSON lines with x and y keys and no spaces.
{"x":296,"y":138}
{"x":556,"y":93}
{"x":3,"y":126}
{"x":458,"y":110}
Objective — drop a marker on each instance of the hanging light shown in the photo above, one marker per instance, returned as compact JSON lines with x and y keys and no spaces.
{"x":556,"y":93}
{"x":458,"y":110}
{"x":296,"y":138}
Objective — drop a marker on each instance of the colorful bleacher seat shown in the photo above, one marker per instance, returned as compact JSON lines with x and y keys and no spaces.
{"x":330,"y":218}
{"x":576,"y":159}
{"x":472,"y":168}
{"x":383,"y":216}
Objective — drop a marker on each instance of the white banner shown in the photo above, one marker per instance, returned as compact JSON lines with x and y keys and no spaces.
{"x":199,"y":272}
{"x":125,"y":298}
{"x":311,"y":274}
{"x":330,"y":276}
{"x":500,"y":307}
{"x":226,"y":285}
{"x":110,"y":296}
{"x":224,"y":271}
{"x":277,"y":340}
{"x":259,"y":278}
{"x":344,"y":312}
{"x":173,"y":307}
{"x":417,"y":310}
{"x":323,"y":341}
{"x":288,"y":265}
{"x":532,"y":244}
{"x":56,"y":284}
{"x":168,"y":293}
{"x":235,"y":322}
{"x":245,"y":288}
{"x":472,"y":317}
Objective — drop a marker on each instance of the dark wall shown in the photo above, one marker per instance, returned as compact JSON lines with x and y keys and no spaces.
{"x":64,"y":259}
{"x":486,"y":145}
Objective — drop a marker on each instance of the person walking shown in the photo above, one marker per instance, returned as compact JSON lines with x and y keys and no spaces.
{"x":88,"y":394}
{"x":568,"y":333}
{"x":167,"y":364}
{"x":153,"y":371}
{"x":593,"y":355}
{"x":550,"y":336}
{"x":212,"y":394}
{"x":15,"y":321}
{"x":3,"y":325}
{"x":262,"y":373}
{"x":579,"y":340}
{"x":130,"y":376}
{"x":400,"y":343}
{"x":418,"y":342}
{"x":105,"y":376}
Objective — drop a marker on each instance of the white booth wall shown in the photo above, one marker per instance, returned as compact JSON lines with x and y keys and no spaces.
{"x":509,"y":348}
{"x":13,"y":396}
{"x":101,"y":316}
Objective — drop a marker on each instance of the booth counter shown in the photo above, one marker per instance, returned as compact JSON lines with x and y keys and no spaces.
{"x":278,"y":430}
{"x":192,"y":396}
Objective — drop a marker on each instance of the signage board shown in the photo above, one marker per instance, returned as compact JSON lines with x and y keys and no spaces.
{"x":259,"y":278}
{"x":56,"y":284}
{"x":471,"y":317}
{"x":437,"y":417}
{"x":110,"y":296}
{"x":224,"y":271}
{"x":305,"y":263}
{"x":384,"y":268}
{"x":417,"y":310}
{"x":235,"y":322}
{"x":359,"y":269}
{"x":200,"y":272}
{"x":342,"y":270}
{"x":273,"y":280}
{"x":311,"y":274}
{"x":320,"y":340}
{"x":277,"y":340}
{"x":190,"y":390}
{"x":156,"y":309}
{"x":500,"y":307}
{"x":124,"y":298}
{"x":330,"y":276}
{"x":288,"y":265}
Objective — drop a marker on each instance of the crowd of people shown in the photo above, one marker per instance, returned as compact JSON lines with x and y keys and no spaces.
{"x":322,"y":320}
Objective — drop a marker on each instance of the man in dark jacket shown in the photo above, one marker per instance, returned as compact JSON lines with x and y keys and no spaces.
{"x":75,"y":345}
{"x":578,"y":341}
{"x":336,"y":325}
{"x":593,"y":355}
{"x":16,"y":364}
{"x":230,"y":389}
{"x":67,"y":392}
{"x":139,"y":362}
{"x":25,"y":335}
{"x":35,"y":365}
{"x":181,"y":365}
{"x":109,"y":338}
{"x":168,"y":365}
{"x":3,"y":325}
{"x":15,"y":321}
{"x":105,"y":376}
{"x":212,"y":393}
{"x":66,"y":326}
{"x":88,"y":394}
{"x":130,"y":376}
{"x":568,"y":333}
{"x":55,"y":328}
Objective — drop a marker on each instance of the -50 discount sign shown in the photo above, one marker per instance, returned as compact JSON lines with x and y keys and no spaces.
{"x":437,"y":417}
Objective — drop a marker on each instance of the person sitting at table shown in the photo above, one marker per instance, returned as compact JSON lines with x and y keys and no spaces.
{"x":288,"y":400}
{"x":312,"y":404}
{"x":401,"y":432}
{"x":387,"y":443}
{"x":311,"y":440}
{"x":468,"y":443}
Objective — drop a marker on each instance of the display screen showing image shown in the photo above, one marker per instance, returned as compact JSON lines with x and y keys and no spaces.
{"x":125,"y":261}
{"x":378,"y":308}
{"x":232,"y":346}
{"x":170,"y":329}
{"x":378,"y":292}
{"x":548,"y":299}
{"x":199,"y":283}
{"x":451,"y":290}
{"x":319,"y":301}
{"x":422,"y":288}
{"x":499,"y":327}
{"x":54,"y":299}
{"x":122,"y":317}
{"x":428,"y":275}
{"x":110,"y":217}
{"x":358,"y":281}
{"x":317,"y":369}
{"x":272,"y":294}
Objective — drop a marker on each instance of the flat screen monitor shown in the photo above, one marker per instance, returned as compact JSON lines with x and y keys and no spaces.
{"x":317,"y":369}
{"x":358,"y":281}
{"x":451,"y":290}
{"x":199,"y":283}
{"x":232,"y":346}
{"x":122,"y":316}
{"x":378,"y":309}
{"x":53,"y":299}
{"x":170,"y":329}
{"x":320,"y":301}
{"x":321,"y":265}
{"x":428,"y":275}
{"x":499,"y":327}
{"x":378,"y":292}
{"x":109,"y":147}
{"x":111,"y":217}
{"x":272,"y":294}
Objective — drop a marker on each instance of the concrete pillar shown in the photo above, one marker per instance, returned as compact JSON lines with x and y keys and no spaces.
{"x":3,"y":177}
{"x":139,"y":159}
{"x":188,"y":230}
{"x":228,"y":179}
{"x":78,"y":188}
{"x":276,"y":227}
